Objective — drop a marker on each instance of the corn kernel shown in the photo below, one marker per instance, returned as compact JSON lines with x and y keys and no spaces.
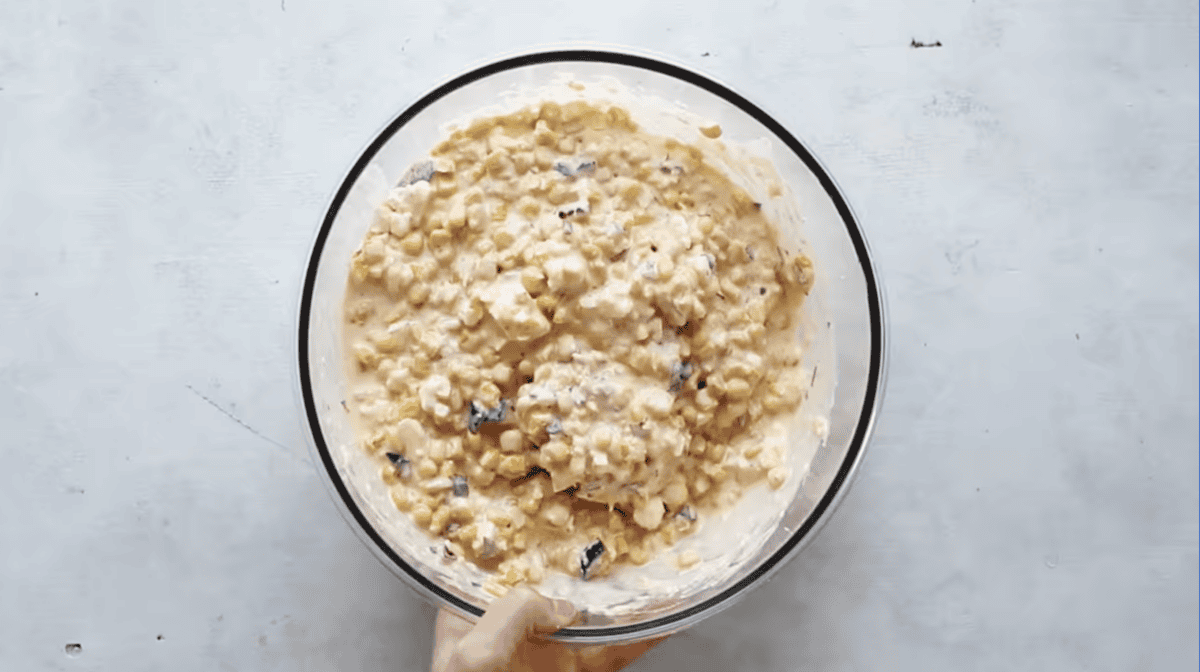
{"x":439,"y":238}
{"x":638,"y":555}
{"x":490,"y":459}
{"x":489,"y":394}
{"x":503,"y":238}
{"x":402,"y":499}
{"x":533,"y":279}
{"x":556,"y":514}
{"x":418,"y":294}
{"x":511,"y":440}
{"x":439,"y":519}
{"x":556,"y":451}
{"x":499,"y":212}
{"x":412,"y":244}
{"x":512,"y":466}
{"x":421,"y":514}
{"x":426,"y":468}
{"x":547,"y":302}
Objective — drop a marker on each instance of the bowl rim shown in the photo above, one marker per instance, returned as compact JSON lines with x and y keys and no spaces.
{"x":872,"y":396}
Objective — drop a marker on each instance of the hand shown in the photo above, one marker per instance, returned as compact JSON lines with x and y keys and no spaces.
{"x":509,"y":637}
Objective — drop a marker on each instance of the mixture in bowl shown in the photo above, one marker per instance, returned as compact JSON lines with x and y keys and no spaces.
{"x":568,"y":340}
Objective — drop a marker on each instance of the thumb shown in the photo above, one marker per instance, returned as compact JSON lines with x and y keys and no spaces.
{"x":508,"y":622}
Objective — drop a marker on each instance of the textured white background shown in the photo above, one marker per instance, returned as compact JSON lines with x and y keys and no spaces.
{"x":1029,"y":189}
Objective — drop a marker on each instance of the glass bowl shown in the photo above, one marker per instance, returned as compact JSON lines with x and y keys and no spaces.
{"x":843,"y":326}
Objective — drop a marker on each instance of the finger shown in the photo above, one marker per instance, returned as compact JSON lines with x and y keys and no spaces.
{"x":613,"y":658}
{"x":453,"y":624}
{"x":523,"y":611}
{"x":447,"y":631}
{"x":508,"y":622}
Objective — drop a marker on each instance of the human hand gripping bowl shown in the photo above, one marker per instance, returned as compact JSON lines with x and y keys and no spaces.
{"x":582,"y":340}
{"x":511,"y":637}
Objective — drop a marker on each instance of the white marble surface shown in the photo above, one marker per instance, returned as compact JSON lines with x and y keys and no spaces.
{"x":1029,"y":188}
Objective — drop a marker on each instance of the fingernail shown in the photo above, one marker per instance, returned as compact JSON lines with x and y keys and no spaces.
{"x":564,"y":611}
